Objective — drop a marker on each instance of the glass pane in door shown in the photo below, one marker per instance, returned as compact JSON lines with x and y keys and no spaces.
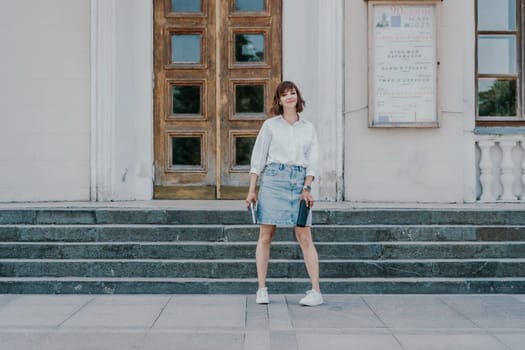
{"x":249,"y":5}
{"x":185,"y":5}
{"x":249,"y":48}
{"x":186,"y":151}
{"x":186,"y":100}
{"x":186,"y":48}
{"x":249,"y":99}
{"x":243,"y":150}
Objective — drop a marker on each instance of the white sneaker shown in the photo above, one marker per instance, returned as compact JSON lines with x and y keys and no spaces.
{"x":312,"y":298}
{"x":262,"y":296}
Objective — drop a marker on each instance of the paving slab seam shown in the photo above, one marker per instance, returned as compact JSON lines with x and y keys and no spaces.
{"x":465,"y":317}
{"x":76,"y":312}
{"x":344,"y":331}
{"x":131,"y":330}
{"x":398,"y":341}
{"x":245,"y":312}
{"x":362,"y":297}
{"x":334,"y":331}
{"x":498,"y":339}
{"x":506,"y":330}
{"x":279,"y":314}
{"x":456,"y":330}
{"x":328,"y":331}
{"x":160,"y":313}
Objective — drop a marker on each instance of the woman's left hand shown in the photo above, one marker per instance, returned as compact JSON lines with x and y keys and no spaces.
{"x":307,"y":196}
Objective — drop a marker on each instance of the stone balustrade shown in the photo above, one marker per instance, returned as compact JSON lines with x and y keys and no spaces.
{"x":500,"y":163}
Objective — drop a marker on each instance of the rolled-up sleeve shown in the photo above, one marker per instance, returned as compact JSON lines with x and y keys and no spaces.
{"x":313,"y":155}
{"x":260,"y":150}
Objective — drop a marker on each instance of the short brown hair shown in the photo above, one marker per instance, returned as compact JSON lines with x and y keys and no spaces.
{"x":282,"y":89}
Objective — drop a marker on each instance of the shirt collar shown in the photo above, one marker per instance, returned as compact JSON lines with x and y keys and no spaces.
{"x":299,"y":121}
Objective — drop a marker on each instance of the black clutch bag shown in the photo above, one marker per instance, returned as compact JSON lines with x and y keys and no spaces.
{"x":303,"y":214}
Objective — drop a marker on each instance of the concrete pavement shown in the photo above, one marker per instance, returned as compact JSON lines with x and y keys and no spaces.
{"x":230,"y":322}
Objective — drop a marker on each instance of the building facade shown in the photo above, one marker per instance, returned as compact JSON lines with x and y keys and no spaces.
{"x":150,"y":99}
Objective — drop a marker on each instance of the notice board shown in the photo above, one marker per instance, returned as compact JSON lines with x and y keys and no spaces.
{"x":403,"y":59}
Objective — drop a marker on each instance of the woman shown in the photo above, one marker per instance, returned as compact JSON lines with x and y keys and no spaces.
{"x":285,"y":156}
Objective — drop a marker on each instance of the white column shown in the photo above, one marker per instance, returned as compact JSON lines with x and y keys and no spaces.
{"x":132,"y":173}
{"x":466,"y":30}
{"x":102,"y":98}
{"x":313,"y":58}
{"x":507,"y":176}
{"x":121,"y":100}
{"x":485,"y":165}
{"x":330,"y":75}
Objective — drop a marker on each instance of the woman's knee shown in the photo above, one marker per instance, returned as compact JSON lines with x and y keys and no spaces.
{"x":304,"y":236}
{"x":266,"y":234}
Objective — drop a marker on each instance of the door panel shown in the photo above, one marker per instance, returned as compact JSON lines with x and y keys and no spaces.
{"x":250,"y":75}
{"x":185,"y":108}
{"x":217,"y":64}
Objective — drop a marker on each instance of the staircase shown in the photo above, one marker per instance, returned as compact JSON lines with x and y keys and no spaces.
{"x":107,"y":250}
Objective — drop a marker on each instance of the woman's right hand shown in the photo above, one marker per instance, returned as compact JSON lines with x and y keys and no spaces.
{"x":251,"y":198}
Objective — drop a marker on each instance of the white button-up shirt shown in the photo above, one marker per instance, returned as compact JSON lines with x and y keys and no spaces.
{"x":280,"y":142}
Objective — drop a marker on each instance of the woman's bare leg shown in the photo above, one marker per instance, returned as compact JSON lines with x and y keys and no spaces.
{"x":262,"y":253}
{"x":311,"y":260}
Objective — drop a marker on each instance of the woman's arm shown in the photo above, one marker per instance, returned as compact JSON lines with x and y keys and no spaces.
{"x":306,"y":195}
{"x":252,"y":196}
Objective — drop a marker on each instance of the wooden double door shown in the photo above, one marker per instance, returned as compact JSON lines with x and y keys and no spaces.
{"x":217,"y":64}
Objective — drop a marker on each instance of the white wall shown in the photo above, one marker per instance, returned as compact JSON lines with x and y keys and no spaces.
{"x":44,"y":100}
{"x":46,"y":115}
{"x":409,"y":164}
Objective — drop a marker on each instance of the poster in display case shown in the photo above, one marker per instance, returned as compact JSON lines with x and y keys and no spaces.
{"x":403,"y":59}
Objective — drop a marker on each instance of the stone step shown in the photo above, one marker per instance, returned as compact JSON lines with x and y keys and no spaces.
{"x":159,"y":250}
{"x":245,"y":268}
{"x":85,"y":285}
{"x":246,"y":250}
{"x":230,"y":233}
{"x":347,"y":216}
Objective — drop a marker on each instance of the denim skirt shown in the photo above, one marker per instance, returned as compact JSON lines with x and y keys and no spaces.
{"x":279,"y":191}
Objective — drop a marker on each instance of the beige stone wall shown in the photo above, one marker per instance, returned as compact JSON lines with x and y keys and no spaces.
{"x":412,"y":164}
{"x":44,"y":100}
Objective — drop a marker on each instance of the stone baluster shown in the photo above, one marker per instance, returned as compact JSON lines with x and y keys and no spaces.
{"x":485,"y":165}
{"x":507,"y":177}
